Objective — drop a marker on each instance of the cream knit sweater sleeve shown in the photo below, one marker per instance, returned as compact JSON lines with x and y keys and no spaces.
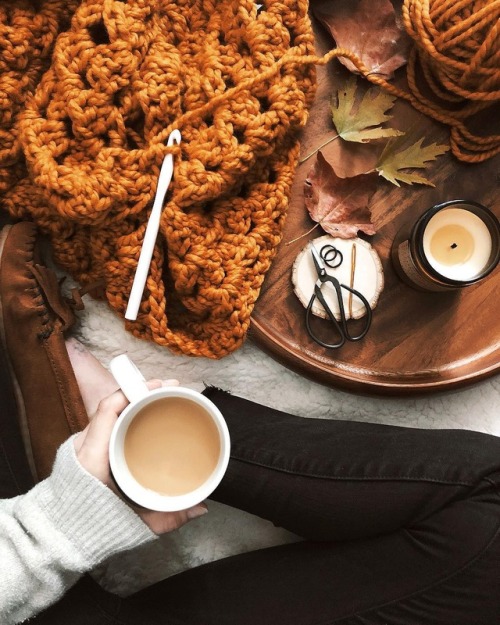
{"x":60,"y":529}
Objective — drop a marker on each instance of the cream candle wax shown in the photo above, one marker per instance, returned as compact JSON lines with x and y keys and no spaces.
{"x":452,"y":245}
{"x":457,"y":244}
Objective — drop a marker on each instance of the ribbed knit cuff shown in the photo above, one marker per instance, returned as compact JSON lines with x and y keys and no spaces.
{"x":92,"y":517}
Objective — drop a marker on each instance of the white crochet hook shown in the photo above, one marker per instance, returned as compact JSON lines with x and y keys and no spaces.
{"x":141,"y":273}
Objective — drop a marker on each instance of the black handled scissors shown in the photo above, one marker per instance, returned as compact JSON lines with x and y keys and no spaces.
{"x":324,"y":278}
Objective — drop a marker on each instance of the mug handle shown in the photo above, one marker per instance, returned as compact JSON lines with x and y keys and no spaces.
{"x":129,"y":378}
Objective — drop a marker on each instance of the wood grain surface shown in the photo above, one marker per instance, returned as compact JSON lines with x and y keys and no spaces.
{"x":419,"y":342}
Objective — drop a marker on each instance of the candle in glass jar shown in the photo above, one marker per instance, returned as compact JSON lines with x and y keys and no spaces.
{"x":452,"y":245}
{"x":457,"y":244}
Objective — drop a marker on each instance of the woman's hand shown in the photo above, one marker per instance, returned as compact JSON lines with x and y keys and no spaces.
{"x":91,"y":447}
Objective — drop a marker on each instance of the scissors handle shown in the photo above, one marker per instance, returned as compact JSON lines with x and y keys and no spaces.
{"x":318,"y":295}
{"x":341,"y":327}
{"x":368,"y":315}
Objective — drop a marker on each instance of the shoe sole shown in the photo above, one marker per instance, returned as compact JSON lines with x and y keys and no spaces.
{"x":23,"y":422}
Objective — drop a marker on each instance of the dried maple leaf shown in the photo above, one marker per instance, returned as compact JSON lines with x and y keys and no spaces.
{"x":339,"y":205}
{"x":395,"y":157}
{"x":370,"y":29}
{"x":361,"y":121}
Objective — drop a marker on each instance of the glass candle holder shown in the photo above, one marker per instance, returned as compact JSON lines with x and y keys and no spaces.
{"x":452,"y":245}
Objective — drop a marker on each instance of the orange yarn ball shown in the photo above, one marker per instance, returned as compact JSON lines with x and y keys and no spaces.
{"x":457,"y":46}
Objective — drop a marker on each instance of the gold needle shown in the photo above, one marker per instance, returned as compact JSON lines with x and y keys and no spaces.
{"x":353,"y":269}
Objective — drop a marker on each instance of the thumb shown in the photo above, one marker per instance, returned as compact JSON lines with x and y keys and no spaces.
{"x":92,"y":444}
{"x":108,"y":411}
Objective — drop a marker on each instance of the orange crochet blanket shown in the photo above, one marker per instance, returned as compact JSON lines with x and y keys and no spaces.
{"x":91,"y":121}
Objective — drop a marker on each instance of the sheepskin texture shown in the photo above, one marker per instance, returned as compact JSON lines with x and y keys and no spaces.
{"x":250,"y":373}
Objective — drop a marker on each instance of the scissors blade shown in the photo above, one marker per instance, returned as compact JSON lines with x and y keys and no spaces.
{"x":318,"y":261}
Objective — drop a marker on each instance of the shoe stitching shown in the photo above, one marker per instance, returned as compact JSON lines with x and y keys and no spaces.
{"x":39,"y":300}
{"x":42,"y":307}
{"x":43,"y":310}
{"x":61,"y":385}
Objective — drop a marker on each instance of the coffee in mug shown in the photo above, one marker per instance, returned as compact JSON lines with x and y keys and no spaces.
{"x":170,"y":447}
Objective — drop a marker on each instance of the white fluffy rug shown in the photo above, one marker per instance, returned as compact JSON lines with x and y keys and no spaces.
{"x":251,"y":373}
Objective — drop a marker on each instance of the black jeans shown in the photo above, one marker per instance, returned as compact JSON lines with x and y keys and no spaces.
{"x":400,"y":527}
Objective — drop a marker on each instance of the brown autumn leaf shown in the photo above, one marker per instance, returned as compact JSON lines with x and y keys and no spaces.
{"x":339,"y":205}
{"x":369,"y":28}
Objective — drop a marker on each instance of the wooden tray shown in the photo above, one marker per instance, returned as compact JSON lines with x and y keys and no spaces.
{"x":419,"y":342}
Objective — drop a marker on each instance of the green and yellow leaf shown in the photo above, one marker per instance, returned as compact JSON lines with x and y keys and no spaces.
{"x":396,"y":158}
{"x":361,"y":122}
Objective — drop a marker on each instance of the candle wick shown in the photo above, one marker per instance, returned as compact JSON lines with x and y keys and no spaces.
{"x":453,"y":246}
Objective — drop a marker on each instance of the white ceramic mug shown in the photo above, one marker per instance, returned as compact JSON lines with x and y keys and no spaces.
{"x":133,"y":384}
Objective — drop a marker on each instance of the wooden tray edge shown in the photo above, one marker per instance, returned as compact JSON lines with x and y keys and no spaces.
{"x":309,"y":368}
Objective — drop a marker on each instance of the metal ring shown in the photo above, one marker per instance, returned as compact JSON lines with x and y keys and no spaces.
{"x":331,"y":256}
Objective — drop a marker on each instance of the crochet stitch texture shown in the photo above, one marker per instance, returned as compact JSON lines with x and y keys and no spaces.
{"x":122,"y":76}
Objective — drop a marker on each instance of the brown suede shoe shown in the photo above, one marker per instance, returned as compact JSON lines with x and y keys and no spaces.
{"x":33,"y":319}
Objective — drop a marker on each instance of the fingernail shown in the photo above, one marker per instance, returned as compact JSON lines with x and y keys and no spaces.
{"x":196,"y":511}
{"x":171,"y":382}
